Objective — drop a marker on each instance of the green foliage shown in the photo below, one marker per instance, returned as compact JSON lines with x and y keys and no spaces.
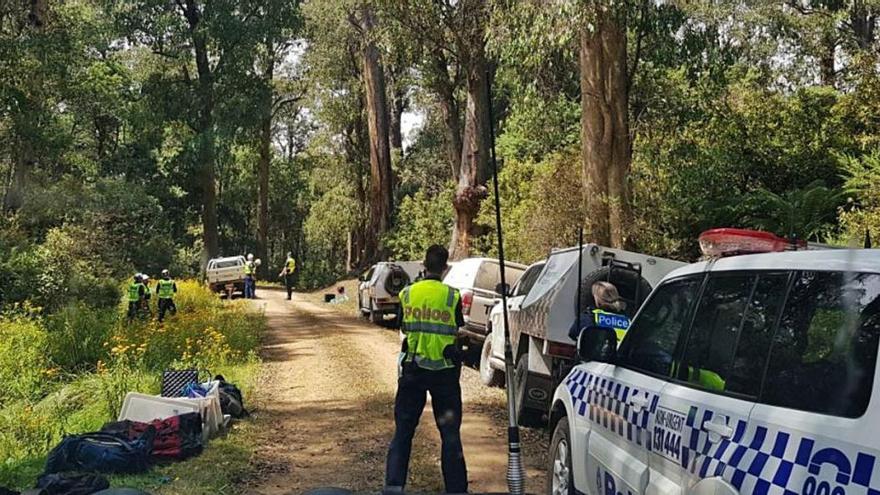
{"x":69,"y":372}
{"x":422,"y":220}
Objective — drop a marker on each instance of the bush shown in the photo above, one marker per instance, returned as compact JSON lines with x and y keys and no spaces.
{"x":24,"y":364}
{"x":77,"y":334}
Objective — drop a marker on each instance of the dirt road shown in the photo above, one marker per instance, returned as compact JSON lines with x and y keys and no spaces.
{"x":325,"y":410}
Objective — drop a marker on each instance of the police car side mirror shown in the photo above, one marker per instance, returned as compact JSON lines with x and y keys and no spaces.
{"x":597,"y":344}
{"x":502,"y":289}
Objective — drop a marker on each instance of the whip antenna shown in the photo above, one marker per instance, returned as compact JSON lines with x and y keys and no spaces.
{"x":515,"y":475}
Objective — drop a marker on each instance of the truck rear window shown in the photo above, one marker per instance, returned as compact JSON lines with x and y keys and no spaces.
{"x":489,"y":276}
{"x":226,"y":264}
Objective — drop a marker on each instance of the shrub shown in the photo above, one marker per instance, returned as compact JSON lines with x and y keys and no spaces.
{"x":77,"y":334}
{"x":24,"y":363}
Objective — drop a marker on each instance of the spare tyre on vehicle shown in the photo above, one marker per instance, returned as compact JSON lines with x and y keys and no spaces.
{"x":396,"y":280}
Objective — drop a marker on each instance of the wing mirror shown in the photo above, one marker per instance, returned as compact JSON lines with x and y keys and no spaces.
{"x":597,"y":344}
{"x":503,"y":289}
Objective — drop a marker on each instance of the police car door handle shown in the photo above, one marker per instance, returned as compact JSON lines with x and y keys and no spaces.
{"x":719,"y":429}
{"x":638,"y":402}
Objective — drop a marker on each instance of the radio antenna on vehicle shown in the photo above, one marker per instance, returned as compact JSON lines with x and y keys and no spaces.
{"x":515,"y":475}
{"x":577,"y":305}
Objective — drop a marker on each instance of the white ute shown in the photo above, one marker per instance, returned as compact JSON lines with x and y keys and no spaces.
{"x":749,"y":374}
{"x":380,"y":285}
{"x":225,"y":274}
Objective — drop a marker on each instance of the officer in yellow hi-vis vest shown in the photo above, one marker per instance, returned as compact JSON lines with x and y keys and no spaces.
{"x":287,"y":272}
{"x":607,"y":312}
{"x":430,"y":362}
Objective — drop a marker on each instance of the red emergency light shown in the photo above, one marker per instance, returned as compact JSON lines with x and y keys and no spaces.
{"x":730,"y":242}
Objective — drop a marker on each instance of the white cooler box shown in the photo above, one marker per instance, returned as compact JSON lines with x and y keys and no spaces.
{"x":145,"y":408}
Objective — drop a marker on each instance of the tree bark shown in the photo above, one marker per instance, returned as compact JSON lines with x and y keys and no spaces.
{"x":605,"y":140}
{"x":398,"y":105}
{"x":264,"y":162}
{"x":445,"y":90}
{"x":474,"y":169}
{"x":21,"y":166}
{"x":381,"y":200}
{"x":207,"y":178}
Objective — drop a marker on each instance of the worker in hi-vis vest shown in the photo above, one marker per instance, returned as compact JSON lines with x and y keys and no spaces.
{"x":165,"y":290}
{"x":607,"y":312}
{"x":430,"y":361}
{"x":287,"y":272}
{"x":250,"y":277}
{"x":135,"y":294}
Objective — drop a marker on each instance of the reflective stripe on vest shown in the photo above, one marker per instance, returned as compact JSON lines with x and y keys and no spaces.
{"x":134,"y":292}
{"x":165,"y":289}
{"x":291,"y":265}
{"x":619,"y":323}
{"x":429,"y":322}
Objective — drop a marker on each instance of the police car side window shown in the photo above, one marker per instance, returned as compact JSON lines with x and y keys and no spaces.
{"x":652,"y":339}
{"x":730,"y":338}
{"x":825,"y":350}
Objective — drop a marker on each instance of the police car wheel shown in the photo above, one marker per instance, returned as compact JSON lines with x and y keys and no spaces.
{"x":488,"y":375}
{"x":560,"y":480}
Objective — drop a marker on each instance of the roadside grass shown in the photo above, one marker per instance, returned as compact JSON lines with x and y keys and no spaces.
{"x":78,"y":384}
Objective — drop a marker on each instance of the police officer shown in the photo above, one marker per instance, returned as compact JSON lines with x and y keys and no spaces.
{"x":430,"y":361}
{"x":165,"y":290}
{"x":249,"y":281}
{"x":287,"y":273}
{"x":607,"y":312}
{"x":135,"y":295}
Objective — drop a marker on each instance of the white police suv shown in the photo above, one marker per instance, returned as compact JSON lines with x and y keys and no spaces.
{"x":751,"y":374}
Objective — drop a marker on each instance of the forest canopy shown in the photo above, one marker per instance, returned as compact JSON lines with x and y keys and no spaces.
{"x":137,"y":135}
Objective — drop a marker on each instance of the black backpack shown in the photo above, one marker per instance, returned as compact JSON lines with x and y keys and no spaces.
{"x":102,"y":453}
{"x":231,"y":400}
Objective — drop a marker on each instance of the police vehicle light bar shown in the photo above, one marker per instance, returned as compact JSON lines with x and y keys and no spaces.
{"x":730,"y":242}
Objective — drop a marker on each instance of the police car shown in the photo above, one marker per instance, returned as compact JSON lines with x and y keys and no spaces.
{"x":751,"y":374}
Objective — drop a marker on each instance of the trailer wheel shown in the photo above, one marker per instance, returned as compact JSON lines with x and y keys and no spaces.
{"x":489,"y":375}
{"x":525,"y":416}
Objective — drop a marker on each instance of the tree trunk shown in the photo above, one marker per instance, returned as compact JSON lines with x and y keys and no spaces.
{"x":264,"y":163}
{"x":474,"y":170}
{"x":827,"y":72}
{"x":207,"y":179}
{"x":605,"y":145}
{"x":21,"y":166}
{"x":381,"y":201}
{"x":445,"y":90}
{"x":398,"y":104}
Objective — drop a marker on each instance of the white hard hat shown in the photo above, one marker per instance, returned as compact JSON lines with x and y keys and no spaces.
{"x":250,"y":256}
{"x":165,"y":271}
{"x":145,"y":276}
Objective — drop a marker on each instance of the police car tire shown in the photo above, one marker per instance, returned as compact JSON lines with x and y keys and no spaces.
{"x":560,"y":433}
{"x":489,"y":375}
{"x":525,"y":416}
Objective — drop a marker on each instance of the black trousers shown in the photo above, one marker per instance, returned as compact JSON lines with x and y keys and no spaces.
{"x":288,"y":282}
{"x":166,"y":305}
{"x":445,"y":392}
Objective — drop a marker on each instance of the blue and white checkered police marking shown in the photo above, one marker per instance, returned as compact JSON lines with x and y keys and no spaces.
{"x":756,"y":459}
{"x":608,"y":403}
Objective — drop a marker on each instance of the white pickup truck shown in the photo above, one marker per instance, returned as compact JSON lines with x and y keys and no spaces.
{"x":225,"y":274}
